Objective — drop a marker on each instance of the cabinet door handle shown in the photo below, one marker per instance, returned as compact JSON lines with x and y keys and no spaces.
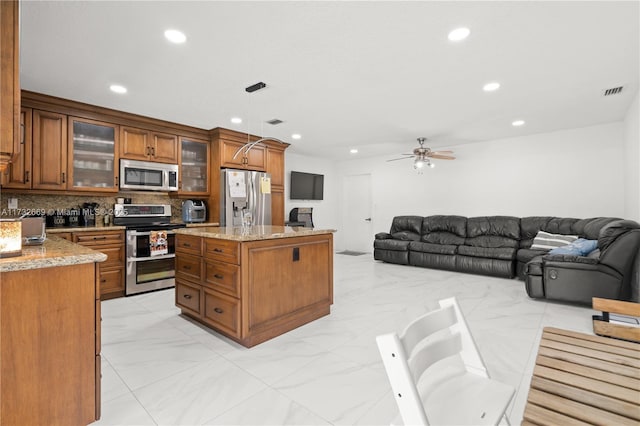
{"x":22,"y":137}
{"x":26,"y":176}
{"x":187,"y":296}
{"x":116,"y":180}
{"x":218,"y":310}
{"x":218,"y":276}
{"x":153,"y":151}
{"x":64,"y":178}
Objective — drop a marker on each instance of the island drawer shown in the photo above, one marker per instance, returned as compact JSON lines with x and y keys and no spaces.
{"x":222,"y":250}
{"x":189,"y":244}
{"x":222,"y":311}
{"x":111,"y":280}
{"x":223,"y":277}
{"x":189,"y":267}
{"x":188,"y":297}
{"x":115,"y":256}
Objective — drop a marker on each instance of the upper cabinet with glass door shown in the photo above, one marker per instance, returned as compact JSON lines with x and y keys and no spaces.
{"x":94,"y":153}
{"x":194,"y":167}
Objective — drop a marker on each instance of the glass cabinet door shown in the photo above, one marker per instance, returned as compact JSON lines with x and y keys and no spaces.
{"x":194,"y":160}
{"x":92,"y":145}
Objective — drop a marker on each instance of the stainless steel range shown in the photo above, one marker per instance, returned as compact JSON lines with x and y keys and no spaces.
{"x":150,"y":246}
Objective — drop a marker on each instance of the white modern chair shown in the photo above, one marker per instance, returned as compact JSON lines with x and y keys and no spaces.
{"x":437,"y":375}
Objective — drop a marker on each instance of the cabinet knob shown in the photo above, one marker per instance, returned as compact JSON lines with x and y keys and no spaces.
{"x":218,"y":310}
{"x":103,"y":280}
{"x":187,"y":296}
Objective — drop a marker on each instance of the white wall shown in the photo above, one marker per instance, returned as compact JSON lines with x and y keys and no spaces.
{"x":632,"y":157}
{"x":572,"y":173}
{"x":325,"y":212}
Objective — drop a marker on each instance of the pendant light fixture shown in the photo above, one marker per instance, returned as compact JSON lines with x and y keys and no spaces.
{"x":244,"y":149}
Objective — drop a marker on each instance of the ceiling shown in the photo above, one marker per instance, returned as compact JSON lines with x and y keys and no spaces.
{"x":367,"y":75}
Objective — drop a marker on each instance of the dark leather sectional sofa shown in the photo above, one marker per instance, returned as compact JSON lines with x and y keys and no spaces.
{"x":501,"y":246}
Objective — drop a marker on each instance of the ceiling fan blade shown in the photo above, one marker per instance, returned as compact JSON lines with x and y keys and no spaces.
{"x":441,"y":157}
{"x":403,"y":158}
{"x":442,"y":152}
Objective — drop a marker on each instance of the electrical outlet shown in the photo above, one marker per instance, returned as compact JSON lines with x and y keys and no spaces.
{"x":13,"y":204}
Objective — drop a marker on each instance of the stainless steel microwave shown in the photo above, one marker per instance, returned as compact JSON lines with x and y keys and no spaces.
{"x":148,"y":176}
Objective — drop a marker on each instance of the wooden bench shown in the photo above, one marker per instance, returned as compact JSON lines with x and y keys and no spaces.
{"x":582,"y":379}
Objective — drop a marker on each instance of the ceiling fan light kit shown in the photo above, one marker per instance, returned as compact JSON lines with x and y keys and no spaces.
{"x":422,"y":156}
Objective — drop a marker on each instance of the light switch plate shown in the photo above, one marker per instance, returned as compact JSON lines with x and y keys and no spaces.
{"x":13,"y":203}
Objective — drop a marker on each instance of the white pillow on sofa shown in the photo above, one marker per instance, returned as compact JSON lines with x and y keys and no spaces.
{"x":548,"y":241}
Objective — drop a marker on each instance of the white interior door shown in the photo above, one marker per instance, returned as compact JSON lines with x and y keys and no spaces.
{"x":358,"y":234}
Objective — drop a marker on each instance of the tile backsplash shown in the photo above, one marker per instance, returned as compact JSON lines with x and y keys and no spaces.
{"x":33,"y":203}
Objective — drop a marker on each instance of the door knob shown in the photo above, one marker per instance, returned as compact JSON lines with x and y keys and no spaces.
{"x":368,"y":219}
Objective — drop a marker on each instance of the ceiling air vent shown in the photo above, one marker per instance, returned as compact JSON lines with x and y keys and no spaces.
{"x":612,"y":91}
{"x":274,"y":121}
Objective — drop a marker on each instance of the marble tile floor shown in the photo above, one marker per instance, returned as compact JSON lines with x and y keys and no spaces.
{"x":159,"y":368}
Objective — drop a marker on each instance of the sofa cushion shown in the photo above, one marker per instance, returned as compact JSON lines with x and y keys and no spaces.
{"x":395,"y":245}
{"x":491,"y":241}
{"x":500,"y":226}
{"x":432,"y":248}
{"x":529,"y":227}
{"x":610,"y":232}
{"x":406,"y":223}
{"x":569,"y":258}
{"x":534,"y":266}
{"x":594,"y":226}
{"x":405,"y":236}
{"x":525,"y":255}
{"x":383,"y":236}
{"x":488,"y":252}
{"x":444,"y":229}
{"x":579,"y":247}
{"x":560,"y":225}
{"x":547,"y":241}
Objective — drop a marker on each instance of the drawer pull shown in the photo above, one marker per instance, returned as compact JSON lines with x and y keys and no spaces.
{"x":218,"y":310}
{"x":187,"y":296}
{"x":217,"y":250}
{"x":186,"y":245}
{"x":100,"y":238}
{"x":104,"y":280}
{"x":187,"y":267}
{"x":218,"y":276}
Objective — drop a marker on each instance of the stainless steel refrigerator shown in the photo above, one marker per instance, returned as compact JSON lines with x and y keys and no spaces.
{"x":245,"y":198}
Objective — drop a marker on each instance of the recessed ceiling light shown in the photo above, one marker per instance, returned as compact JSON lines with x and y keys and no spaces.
{"x":353,"y":151}
{"x":296,"y":136}
{"x":236,"y":120}
{"x":459,"y":34}
{"x":490,"y":87}
{"x":517,"y":123}
{"x":118,"y":88}
{"x":175,"y":36}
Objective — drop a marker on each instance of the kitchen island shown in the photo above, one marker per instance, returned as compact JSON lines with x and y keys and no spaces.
{"x":50,"y":335}
{"x":254,"y":283}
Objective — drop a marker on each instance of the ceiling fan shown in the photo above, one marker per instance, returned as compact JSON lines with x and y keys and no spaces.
{"x":422,"y":156}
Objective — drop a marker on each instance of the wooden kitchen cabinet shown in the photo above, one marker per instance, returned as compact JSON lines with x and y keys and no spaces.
{"x":275,"y":167}
{"x":93,"y":151}
{"x":194,"y":167}
{"x":18,"y":173}
{"x":111,"y":243}
{"x":49,"y":150}
{"x":9,"y":82}
{"x":241,"y":295}
{"x":145,"y":145}
{"x":255,"y":159}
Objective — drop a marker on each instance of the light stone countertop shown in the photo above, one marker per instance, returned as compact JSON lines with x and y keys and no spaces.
{"x":55,"y":251}
{"x":253,"y":233}
{"x":200,"y":225}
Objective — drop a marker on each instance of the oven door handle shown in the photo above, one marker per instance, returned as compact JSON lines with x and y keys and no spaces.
{"x":141,"y":259}
{"x":138,"y":234}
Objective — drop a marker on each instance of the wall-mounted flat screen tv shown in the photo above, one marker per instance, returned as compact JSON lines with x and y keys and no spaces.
{"x":306,"y":186}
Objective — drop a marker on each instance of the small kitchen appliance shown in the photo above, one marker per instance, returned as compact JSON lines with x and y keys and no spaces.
{"x":194,"y":211}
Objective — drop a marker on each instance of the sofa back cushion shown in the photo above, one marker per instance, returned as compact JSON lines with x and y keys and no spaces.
{"x":560,"y":225}
{"x":493,"y":231}
{"x":406,"y":228}
{"x":444,"y":229}
{"x":529,"y":227}
{"x":593,"y":227}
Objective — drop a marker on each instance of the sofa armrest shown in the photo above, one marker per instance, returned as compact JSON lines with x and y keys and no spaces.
{"x":383,"y":236}
{"x":569,"y":258}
